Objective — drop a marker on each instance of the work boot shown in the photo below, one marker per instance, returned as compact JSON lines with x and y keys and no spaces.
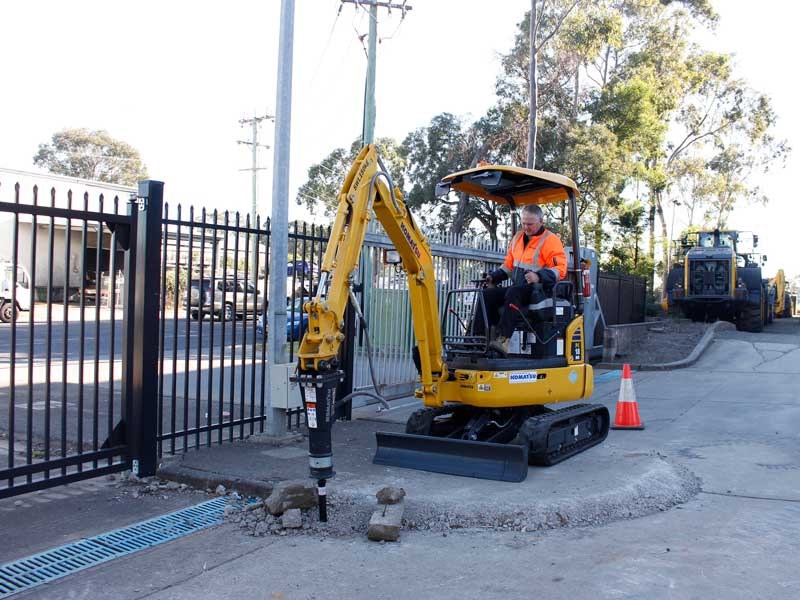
{"x":499,"y":345}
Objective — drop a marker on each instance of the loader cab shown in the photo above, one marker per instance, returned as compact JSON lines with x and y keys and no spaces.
{"x":546,"y":327}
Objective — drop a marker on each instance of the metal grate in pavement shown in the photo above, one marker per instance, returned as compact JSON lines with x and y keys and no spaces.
{"x":45,"y":567}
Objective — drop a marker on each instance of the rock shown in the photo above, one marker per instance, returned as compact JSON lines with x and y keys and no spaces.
{"x":220,"y":491}
{"x":291,"y":494}
{"x":261,"y":529}
{"x":173,"y":485}
{"x":254,"y":506}
{"x":18,"y":503}
{"x":229,"y":510}
{"x":292,"y":519}
{"x":386,"y":522}
{"x":182,"y":487}
{"x":390,"y":495}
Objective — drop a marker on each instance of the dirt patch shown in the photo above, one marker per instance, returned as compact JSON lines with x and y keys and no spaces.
{"x":667,"y":340}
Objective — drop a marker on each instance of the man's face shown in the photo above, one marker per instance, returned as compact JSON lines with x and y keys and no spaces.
{"x":530,"y":224}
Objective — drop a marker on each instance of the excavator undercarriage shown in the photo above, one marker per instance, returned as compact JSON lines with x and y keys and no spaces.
{"x":492,"y":444}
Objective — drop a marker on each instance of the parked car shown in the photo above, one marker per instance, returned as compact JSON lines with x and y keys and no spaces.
{"x":232,"y":298}
{"x":8,"y":311}
{"x":296,"y":321}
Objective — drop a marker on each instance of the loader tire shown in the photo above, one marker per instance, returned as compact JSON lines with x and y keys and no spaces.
{"x":750,"y":319}
{"x":787,"y":307}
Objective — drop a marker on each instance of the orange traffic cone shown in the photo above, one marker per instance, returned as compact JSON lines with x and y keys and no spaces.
{"x":627,"y":416}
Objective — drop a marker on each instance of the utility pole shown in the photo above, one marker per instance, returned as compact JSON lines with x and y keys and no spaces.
{"x":534,"y":91}
{"x":254,"y":122}
{"x":368,"y":132}
{"x":279,"y":235}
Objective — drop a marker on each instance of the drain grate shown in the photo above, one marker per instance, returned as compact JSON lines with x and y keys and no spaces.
{"x":45,"y":567}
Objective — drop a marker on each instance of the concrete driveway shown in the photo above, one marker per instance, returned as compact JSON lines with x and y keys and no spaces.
{"x":732,"y":420}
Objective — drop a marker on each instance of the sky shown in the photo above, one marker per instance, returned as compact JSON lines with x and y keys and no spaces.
{"x":174,"y":79}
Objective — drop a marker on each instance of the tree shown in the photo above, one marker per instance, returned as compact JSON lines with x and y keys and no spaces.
{"x":325,"y":179}
{"x":444,"y":146}
{"x":91,"y":155}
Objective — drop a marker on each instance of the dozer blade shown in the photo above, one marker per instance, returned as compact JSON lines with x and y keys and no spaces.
{"x":484,"y":460}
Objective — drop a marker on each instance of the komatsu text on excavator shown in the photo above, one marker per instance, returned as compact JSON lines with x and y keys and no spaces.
{"x":484,"y":414}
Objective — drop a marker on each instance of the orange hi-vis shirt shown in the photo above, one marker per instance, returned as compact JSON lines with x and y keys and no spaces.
{"x":543,"y":251}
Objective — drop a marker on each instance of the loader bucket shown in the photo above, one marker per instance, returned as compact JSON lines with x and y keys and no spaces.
{"x":483,"y":460}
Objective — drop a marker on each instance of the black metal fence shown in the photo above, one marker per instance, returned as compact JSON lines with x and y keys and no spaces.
{"x":622,"y":297}
{"x":214,"y":288}
{"x":61,"y":393}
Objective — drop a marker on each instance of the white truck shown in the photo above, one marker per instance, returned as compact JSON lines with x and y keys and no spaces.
{"x":8,"y":311}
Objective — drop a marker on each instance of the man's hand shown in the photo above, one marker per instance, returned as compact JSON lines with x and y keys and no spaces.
{"x":531,"y":277}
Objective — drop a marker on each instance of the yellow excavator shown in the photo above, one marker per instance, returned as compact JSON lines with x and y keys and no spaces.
{"x":484,"y":414}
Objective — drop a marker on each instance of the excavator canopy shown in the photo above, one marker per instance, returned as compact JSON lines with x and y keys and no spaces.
{"x":513,"y":186}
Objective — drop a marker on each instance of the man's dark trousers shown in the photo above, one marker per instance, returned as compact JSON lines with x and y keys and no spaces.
{"x":496,"y":297}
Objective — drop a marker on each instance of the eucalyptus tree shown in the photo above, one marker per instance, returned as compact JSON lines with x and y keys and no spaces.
{"x":91,"y":154}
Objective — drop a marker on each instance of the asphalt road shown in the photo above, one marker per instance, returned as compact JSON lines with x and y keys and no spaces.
{"x":732,"y":419}
{"x":33,"y":340}
{"x":213,"y":372}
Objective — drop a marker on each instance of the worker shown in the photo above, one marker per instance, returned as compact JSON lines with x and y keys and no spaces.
{"x":535,"y":256}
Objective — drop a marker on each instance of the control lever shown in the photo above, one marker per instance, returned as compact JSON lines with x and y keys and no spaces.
{"x":516,"y":308}
{"x":464,"y":325}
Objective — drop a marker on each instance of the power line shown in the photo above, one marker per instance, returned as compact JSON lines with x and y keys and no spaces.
{"x":368,"y":132}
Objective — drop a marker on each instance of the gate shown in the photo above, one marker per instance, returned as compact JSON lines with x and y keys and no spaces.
{"x":66,"y":375}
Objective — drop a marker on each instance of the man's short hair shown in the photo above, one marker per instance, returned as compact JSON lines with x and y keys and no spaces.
{"x":533,"y":210}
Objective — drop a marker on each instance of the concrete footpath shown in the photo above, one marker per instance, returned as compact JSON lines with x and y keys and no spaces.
{"x":705,"y":502}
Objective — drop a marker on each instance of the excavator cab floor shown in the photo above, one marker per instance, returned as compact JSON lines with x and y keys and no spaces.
{"x":483,"y":460}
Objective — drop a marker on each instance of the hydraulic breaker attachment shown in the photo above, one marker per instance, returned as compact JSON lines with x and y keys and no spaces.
{"x":484,"y":460}
{"x":318,"y":391}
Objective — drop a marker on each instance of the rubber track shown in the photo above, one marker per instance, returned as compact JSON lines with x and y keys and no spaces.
{"x":534,"y":425}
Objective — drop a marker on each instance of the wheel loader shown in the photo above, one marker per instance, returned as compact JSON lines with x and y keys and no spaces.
{"x":483,"y":415}
{"x":783,"y":300}
{"x":714,"y":278}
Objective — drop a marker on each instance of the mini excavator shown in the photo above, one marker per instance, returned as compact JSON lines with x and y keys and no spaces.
{"x":484,"y":415}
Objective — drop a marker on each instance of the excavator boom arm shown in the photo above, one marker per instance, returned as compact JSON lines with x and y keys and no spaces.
{"x":367,"y":188}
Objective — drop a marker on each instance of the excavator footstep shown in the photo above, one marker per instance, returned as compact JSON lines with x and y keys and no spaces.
{"x":484,"y":460}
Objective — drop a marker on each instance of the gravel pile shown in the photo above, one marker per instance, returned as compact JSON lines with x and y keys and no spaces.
{"x":668,"y":340}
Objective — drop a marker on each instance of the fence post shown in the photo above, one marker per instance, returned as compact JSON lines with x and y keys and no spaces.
{"x":142,"y":328}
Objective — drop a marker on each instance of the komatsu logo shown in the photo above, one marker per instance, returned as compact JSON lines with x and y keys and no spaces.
{"x":522,"y":377}
{"x":410,"y":241}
